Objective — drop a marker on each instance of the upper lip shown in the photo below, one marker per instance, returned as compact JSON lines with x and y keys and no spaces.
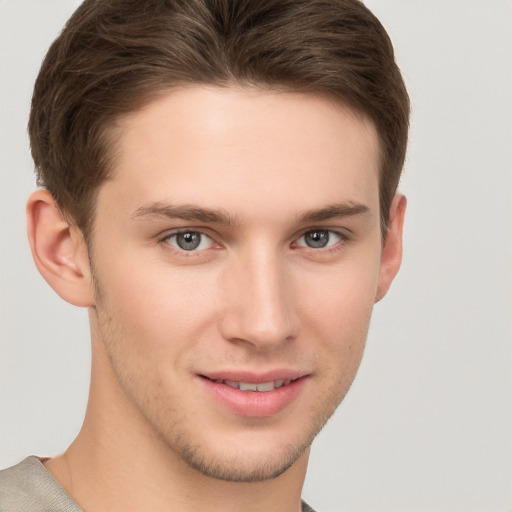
{"x":255,"y":377}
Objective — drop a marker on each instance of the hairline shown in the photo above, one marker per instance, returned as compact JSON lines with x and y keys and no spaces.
{"x":112,"y":131}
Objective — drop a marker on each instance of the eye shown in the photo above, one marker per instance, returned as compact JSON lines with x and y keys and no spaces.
{"x":189,"y":241}
{"x":319,"y":238}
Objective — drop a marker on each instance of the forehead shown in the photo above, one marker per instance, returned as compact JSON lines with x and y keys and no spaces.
{"x":211,"y":145}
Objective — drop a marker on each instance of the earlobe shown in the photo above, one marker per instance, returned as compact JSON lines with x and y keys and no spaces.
{"x":392,"y":251}
{"x":59,"y":250}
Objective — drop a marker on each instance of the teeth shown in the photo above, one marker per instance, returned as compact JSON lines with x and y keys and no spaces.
{"x":266,"y":386}
{"x":250,"y":386}
{"x":246,"y":386}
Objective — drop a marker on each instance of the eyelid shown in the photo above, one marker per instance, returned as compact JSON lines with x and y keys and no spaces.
{"x":341,"y":234}
{"x":164,"y":239}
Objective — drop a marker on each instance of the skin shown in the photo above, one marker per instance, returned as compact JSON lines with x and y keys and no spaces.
{"x":253,"y":298}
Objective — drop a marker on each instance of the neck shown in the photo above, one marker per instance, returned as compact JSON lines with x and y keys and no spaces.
{"x":117,"y":463}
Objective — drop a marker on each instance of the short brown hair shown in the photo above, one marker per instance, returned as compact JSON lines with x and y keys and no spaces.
{"x":115,"y":56}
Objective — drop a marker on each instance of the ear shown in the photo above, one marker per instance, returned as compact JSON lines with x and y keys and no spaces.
{"x":392,"y":253}
{"x":59,"y":250}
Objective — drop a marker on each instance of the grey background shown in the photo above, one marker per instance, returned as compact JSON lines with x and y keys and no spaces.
{"x":427,"y":425}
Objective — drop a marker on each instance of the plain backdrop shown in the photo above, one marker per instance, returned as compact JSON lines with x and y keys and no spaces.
{"x":427,"y":425}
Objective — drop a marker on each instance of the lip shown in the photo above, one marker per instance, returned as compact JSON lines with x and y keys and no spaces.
{"x":254,"y":404}
{"x":255,"y":377}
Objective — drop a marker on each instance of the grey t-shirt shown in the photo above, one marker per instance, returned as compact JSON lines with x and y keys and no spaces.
{"x":29,"y":487}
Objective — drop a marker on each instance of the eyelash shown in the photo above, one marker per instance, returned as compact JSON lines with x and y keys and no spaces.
{"x":342,"y":239}
{"x":338,"y":244}
{"x":184,"y":252}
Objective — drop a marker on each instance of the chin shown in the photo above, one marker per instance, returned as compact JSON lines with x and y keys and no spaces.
{"x":254,"y":466}
{"x":254,"y":455}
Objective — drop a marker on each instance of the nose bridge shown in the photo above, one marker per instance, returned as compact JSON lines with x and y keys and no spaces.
{"x":260,"y":307}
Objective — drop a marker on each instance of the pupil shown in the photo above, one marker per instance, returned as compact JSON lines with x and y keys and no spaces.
{"x":317,"y":239}
{"x":188,"y":241}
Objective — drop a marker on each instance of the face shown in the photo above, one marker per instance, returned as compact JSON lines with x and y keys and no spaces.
{"x":236,"y":257}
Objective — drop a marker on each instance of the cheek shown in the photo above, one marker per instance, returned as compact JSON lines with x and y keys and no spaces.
{"x":336,"y":311}
{"x":341,"y":299}
{"x":157,"y":305}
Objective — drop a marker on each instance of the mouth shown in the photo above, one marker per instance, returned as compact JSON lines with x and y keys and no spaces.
{"x":262,"y":387}
{"x":255,"y":396}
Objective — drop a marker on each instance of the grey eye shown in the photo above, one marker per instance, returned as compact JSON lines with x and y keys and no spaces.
{"x":189,"y":241}
{"x":316,"y":239}
{"x":319,"y":238}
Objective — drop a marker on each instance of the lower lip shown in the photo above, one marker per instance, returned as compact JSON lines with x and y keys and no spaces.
{"x":255,"y":404}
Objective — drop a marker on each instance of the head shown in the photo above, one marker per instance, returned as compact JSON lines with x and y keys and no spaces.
{"x":112,"y":58}
{"x":223,"y":177}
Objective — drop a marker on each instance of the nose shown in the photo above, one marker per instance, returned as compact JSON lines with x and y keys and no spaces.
{"x":259,"y":301}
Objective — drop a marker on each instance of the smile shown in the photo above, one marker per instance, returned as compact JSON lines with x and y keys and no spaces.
{"x":255,"y":396}
{"x":251,"y":386}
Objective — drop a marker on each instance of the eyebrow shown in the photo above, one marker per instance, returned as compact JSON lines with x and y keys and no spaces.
{"x":207,"y":215}
{"x":332,"y":211}
{"x":184,"y":212}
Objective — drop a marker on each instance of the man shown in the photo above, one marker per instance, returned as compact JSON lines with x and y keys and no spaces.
{"x":218,"y":188}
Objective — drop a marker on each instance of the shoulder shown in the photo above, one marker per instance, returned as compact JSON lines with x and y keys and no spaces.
{"x":306,"y":507}
{"x":29,"y":487}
